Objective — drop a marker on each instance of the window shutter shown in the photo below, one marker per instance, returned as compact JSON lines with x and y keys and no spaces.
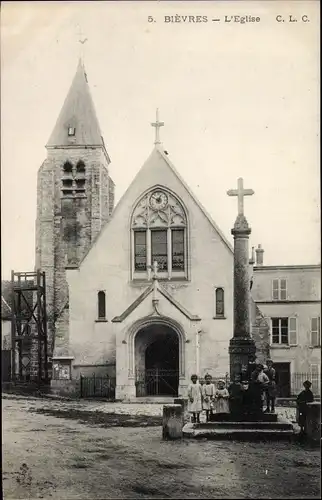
{"x":292,"y":331}
{"x":315,"y":332}
{"x":283,"y":291}
{"x":275,"y":287}
{"x":270,"y":324}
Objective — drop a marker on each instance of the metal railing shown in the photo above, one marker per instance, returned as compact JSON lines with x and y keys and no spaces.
{"x":297,"y":380}
{"x":97,"y":387}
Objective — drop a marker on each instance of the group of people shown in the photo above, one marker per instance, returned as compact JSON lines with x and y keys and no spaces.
{"x":207,"y":397}
{"x":243,"y":395}
{"x":240,"y":396}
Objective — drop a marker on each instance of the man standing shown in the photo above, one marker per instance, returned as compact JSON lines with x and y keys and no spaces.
{"x":259,"y":381}
{"x":270,"y":389}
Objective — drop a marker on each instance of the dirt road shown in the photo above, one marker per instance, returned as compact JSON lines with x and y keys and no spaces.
{"x":60,"y":458}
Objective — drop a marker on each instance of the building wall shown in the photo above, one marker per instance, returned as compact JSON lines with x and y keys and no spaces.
{"x":303,"y":282}
{"x":303,"y":303}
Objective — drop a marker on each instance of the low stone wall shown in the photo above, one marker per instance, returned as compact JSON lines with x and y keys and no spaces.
{"x":25,"y":389}
{"x":290,"y":402}
{"x":313,"y":421}
{"x":69,"y":388}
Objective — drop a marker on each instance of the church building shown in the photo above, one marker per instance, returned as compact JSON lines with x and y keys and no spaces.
{"x":142,"y":292}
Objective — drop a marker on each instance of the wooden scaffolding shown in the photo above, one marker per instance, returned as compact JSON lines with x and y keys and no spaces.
{"x":29,"y":357}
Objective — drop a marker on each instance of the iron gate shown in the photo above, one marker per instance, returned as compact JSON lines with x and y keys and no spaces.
{"x":97,"y":387}
{"x":157,"y":382}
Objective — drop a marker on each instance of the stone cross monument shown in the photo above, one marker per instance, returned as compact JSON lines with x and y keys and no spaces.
{"x":242,"y":346}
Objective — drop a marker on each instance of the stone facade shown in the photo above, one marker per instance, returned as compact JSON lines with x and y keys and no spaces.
{"x":300,"y":302}
{"x":57,"y":244}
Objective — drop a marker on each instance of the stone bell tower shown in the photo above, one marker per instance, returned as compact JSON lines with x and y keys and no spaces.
{"x":75,"y":197}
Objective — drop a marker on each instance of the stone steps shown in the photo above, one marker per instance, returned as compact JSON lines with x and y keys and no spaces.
{"x":245,"y":425}
{"x":240,"y":430}
{"x":151,"y":400}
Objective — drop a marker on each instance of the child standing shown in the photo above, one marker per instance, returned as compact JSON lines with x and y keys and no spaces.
{"x":236,"y":393}
{"x":303,"y":398}
{"x":195,"y":399}
{"x":221,"y":398}
{"x":208,"y":394}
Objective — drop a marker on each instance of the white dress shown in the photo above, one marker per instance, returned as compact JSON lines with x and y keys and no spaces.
{"x":221,"y":403}
{"x":194,"y":392}
{"x":208,"y":392}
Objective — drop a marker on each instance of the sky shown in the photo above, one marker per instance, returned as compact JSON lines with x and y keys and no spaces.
{"x":238,"y":100}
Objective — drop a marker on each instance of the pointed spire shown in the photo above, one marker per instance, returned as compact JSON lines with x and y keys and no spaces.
{"x":77,"y":123}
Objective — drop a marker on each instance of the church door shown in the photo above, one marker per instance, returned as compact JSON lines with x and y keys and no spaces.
{"x":160,"y":359}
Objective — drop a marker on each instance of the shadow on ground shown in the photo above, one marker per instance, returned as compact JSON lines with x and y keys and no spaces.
{"x":103,"y":419}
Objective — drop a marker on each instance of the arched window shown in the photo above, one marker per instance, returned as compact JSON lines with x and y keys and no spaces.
{"x":220,"y":302}
{"x":80,"y":167}
{"x":68,"y":168}
{"x":159,"y":233}
{"x":101,"y":303}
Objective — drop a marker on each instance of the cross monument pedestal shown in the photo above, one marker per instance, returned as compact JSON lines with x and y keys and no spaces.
{"x":242,"y":348}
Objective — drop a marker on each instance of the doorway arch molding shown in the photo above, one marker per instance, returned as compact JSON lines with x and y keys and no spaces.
{"x":150,"y":321}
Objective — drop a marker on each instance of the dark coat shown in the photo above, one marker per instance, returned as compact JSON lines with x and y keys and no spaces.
{"x":302,"y":399}
{"x":271,"y":387}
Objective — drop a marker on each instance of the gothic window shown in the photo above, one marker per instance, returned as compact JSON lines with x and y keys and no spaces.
{"x":220,"y":302}
{"x":140,"y":250}
{"x":159,"y":233}
{"x":101,"y":303}
{"x":159,"y":250}
{"x":178,"y":249}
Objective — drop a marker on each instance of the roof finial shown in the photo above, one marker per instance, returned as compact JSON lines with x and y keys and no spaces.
{"x":157,"y":126}
{"x":81,"y":41}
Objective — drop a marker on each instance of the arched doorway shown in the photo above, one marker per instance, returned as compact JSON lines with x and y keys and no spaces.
{"x":157,"y":361}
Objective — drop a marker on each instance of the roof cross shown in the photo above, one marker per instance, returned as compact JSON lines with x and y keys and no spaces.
{"x":81,"y":41}
{"x":240,"y":192}
{"x":157,"y":126}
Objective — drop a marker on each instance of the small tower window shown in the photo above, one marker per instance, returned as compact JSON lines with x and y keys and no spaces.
{"x":68,"y":183}
{"x":80,"y":167}
{"x":101,"y":303}
{"x":68,"y":168}
{"x":71,"y":131}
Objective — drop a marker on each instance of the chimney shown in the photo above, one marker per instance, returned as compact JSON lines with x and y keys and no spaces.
{"x":259,"y":255}
{"x":252,"y":259}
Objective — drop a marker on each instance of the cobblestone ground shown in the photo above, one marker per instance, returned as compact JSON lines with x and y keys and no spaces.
{"x":147,"y":409}
{"x":61,"y":458}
